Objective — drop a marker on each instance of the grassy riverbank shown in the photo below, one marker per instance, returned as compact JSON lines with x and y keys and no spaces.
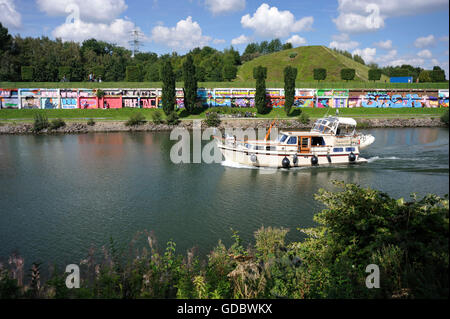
{"x":408,"y":241}
{"x":124,"y":114}
{"x":232,"y":84}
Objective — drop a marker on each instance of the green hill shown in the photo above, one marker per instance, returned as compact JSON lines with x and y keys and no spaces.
{"x":307,"y":59}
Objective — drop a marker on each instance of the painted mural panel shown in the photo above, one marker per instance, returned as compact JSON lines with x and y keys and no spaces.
{"x":130,"y":102}
{"x":88,"y":103}
{"x":9,"y":99}
{"x":111,"y":102}
{"x":68,"y":98}
{"x":397,"y":99}
{"x":148,"y":103}
{"x":443,"y":98}
{"x":304,"y":98}
{"x":30,"y":98}
{"x":49,"y":98}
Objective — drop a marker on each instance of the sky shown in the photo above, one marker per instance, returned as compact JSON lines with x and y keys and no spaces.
{"x":386,"y":32}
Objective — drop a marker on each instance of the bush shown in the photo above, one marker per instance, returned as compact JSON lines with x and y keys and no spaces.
{"x":374,"y":75}
{"x":65,"y":71}
{"x":320,"y":74}
{"x":136,"y":119}
{"x":91,"y":122}
{"x":157,"y":117}
{"x":100,"y":93}
{"x":347,"y":74}
{"x":212,"y":119}
{"x":40,"y":122}
{"x":303,"y":118}
{"x":173,"y":118}
{"x":444,"y":117}
{"x":57,"y":123}
{"x":292,"y":55}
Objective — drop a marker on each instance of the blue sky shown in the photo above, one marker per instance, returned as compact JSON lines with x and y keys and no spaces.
{"x":387,"y":32}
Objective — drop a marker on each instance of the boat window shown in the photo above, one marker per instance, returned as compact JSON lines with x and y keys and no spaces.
{"x":321,"y":128}
{"x":292,"y":140}
{"x":350,"y":149}
{"x":305,"y":142}
{"x":338,"y":149}
{"x":317,"y":141}
{"x":283,"y":138}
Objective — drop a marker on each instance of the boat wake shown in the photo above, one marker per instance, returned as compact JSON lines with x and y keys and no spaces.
{"x":377,"y":158}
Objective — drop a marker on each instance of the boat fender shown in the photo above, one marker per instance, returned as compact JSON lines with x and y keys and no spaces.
{"x":314,"y":160}
{"x":352,"y":157}
{"x":253,"y":158}
{"x":295,"y":159}
{"x":285,"y":163}
{"x":329,"y":158}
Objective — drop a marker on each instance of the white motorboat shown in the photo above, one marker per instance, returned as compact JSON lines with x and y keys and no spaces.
{"x":332,"y":140}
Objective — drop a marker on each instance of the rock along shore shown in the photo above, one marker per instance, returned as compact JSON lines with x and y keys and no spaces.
{"x":82,"y":128}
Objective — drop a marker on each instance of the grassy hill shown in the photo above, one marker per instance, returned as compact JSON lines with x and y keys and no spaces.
{"x":308,"y":58}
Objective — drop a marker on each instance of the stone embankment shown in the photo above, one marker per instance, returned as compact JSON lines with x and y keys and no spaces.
{"x":111,"y":126}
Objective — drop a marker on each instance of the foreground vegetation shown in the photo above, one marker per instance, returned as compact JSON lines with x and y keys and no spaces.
{"x":358,"y":227}
{"x":279,"y":113}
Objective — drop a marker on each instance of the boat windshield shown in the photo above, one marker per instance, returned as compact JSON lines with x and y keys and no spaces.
{"x":282,"y":138}
{"x":324,"y":126}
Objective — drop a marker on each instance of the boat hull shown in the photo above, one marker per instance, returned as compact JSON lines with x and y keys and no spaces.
{"x":275,"y":160}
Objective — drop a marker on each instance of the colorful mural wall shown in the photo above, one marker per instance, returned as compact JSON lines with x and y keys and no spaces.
{"x":9,"y":99}
{"x":229,"y":97}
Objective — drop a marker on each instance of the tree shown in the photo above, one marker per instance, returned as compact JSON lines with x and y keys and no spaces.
{"x":437,"y":75}
{"x":260,"y":75}
{"x":290,"y":74}
{"x":190,"y":84}
{"x":424,"y":76}
{"x":132,"y":73}
{"x":27,"y":73}
{"x":152,"y":73}
{"x":5,"y":39}
{"x":358,"y":59}
{"x":168,"y":88}
{"x":320,"y":74}
{"x":287,"y":46}
{"x":347,"y":74}
{"x":229,"y":72}
{"x":374,"y":75}
{"x":274,"y":46}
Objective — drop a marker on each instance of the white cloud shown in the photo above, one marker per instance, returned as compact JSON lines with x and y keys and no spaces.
{"x":423,"y":42}
{"x":242,"y":39}
{"x":368,"y":54}
{"x":87,"y":10}
{"x":296,"y":40}
{"x":187,"y":34}
{"x":224,"y":6}
{"x":414,"y":62}
{"x":117,"y":32}
{"x":435,"y":62}
{"x":426,"y":54}
{"x":384,"y":44}
{"x":444,"y":38}
{"x":343,"y":42}
{"x":219,"y":41}
{"x":9,"y":16}
{"x":370,"y":15}
{"x":270,"y":22}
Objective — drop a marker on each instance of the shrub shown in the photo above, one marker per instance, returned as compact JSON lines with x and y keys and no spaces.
{"x":91,"y":122}
{"x":100,"y":93}
{"x":40,"y":122}
{"x":347,"y":74}
{"x":292,"y":55}
{"x":173,"y":118}
{"x":157,"y":117}
{"x":444,"y":117}
{"x":303,"y":118}
{"x":57,"y":123}
{"x":212,"y":119}
{"x":320,"y":74}
{"x":136,"y":119}
{"x":374,"y":75}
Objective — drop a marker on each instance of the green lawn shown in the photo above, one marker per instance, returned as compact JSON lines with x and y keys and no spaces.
{"x":233,"y":84}
{"x":124,"y":114}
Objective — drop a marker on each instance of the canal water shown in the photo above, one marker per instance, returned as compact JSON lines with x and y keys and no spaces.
{"x":60,"y":195}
